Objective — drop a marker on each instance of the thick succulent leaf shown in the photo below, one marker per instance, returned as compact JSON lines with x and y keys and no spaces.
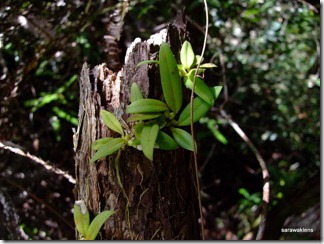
{"x":136,"y":92}
{"x":97,"y":144}
{"x":187,"y":55}
{"x":201,"y":89}
{"x":148,"y":138}
{"x":165,"y":142}
{"x":183,"y":138}
{"x":200,"y":108}
{"x":111,"y":122}
{"x":96,"y":224}
{"x":170,"y":79}
{"x":138,"y":117}
{"x":81,"y":217}
{"x":146,"y":105}
{"x":108,"y":148}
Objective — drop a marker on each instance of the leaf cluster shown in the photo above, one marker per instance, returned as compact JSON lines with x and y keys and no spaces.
{"x":89,"y":231}
{"x":155,"y":123}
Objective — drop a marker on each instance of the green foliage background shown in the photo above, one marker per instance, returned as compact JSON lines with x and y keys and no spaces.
{"x":267,"y":56}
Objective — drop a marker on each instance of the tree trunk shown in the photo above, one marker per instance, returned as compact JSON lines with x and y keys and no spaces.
{"x":161,"y":194}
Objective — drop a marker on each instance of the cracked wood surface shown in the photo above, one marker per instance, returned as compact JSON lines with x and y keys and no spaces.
{"x":162,"y":194}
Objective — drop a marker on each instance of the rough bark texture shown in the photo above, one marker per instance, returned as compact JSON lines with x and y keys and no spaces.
{"x":162,"y":193}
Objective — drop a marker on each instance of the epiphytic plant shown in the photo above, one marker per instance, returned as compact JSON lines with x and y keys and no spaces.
{"x":155,"y":123}
{"x":89,"y":231}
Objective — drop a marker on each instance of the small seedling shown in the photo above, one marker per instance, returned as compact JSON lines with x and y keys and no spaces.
{"x":89,"y":231}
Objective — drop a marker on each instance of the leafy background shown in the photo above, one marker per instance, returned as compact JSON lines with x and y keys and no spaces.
{"x":267,"y":57}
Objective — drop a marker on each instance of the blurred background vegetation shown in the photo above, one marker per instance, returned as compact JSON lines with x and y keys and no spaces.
{"x":267,"y":56}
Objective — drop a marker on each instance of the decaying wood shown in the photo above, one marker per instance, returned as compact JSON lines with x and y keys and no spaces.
{"x":162,"y":194}
{"x":113,"y":24}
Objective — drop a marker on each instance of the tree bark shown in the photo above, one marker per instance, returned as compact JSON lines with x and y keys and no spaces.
{"x":161,"y":194}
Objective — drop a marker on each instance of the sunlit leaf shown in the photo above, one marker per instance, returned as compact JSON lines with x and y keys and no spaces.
{"x":111,"y":121}
{"x":187,"y":55}
{"x":97,"y":144}
{"x":182,"y":70}
{"x":201,"y":89}
{"x":108,"y":148}
{"x":170,"y":79}
{"x":198,"y":59}
{"x":81,"y":217}
{"x":147,"y":105}
{"x":216,"y":90}
{"x":200,"y":108}
{"x":208,"y":65}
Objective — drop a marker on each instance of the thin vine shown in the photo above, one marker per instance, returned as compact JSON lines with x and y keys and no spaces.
{"x":192,"y":124}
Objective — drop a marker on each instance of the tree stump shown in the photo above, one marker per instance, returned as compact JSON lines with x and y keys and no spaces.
{"x":162,"y":202}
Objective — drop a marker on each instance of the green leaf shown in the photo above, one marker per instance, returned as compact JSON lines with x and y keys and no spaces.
{"x":182,"y":70}
{"x":165,"y":142}
{"x":170,"y":79}
{"x":207,"y":65}
{"x":201,"y":89}
{"x":198,"y":59}
{"x":148,"y":138}
{"x":64,"y":115}
{"x":200,"y":108}
{"x":108,"y":148}
{"x":138,"y":129}
{"x":146,"y":105}
{"x":96,"y":224}
{"x":183,"y":138}
{"x":216,"y":90}
{"x":187,"y":55}
{"x":137,"y":117}
{"x":212,"y":125}
{"x":134,"y":142}
{"x":244,"y":192}
{"x":147,"y":62}
{"x":111,"y":122}
{"x":136,"y":92}
{"x":98,"y":143}
{"x":81,"y":217}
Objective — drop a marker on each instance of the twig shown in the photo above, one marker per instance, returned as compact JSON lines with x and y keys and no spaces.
{"x":37,"y":160}
{"x":221,"y":59}
{"x":265,"y":172}
{"x":192,"y":126}
{"x":312,"y":7}
{"x":210,"y":154}
{"x":240,"y":132}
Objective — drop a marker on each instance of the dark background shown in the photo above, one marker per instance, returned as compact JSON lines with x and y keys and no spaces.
{"x":267,"y":56}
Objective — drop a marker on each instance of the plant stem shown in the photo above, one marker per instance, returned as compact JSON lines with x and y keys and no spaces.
{"x":192,"y":127}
